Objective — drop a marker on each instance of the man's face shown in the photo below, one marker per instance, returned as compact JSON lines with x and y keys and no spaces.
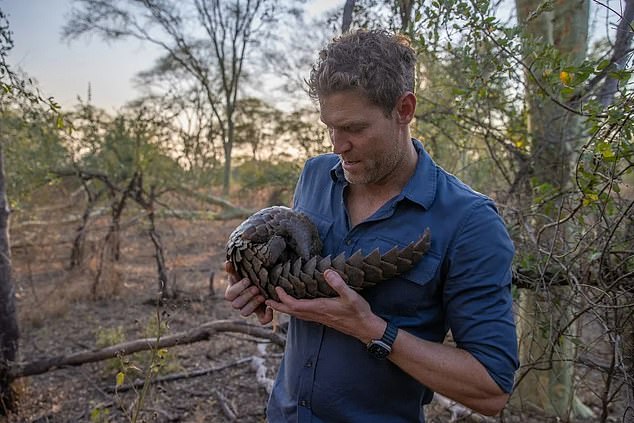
{"x":368,"y":142}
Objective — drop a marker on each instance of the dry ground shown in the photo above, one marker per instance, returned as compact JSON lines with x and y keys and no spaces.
{"x":58,"y":316}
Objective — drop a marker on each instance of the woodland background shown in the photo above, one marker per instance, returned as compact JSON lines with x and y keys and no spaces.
{"x":111,"y":272}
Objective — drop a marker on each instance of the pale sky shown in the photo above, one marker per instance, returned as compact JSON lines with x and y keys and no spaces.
{"x":64,"y":70}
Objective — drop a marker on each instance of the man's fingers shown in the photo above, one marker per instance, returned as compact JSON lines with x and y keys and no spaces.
{"x":235,"y":290}
{"x":245,"y":294}
{"x":251,"y":306}
{"x":265,"y":314}
{"x":336,"y":282}
{"x":284,"y":304}
{"x":245,"y":297}
{"x":247,"y":300}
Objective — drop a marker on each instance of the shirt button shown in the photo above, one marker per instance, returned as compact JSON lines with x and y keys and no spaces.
{"x":309,"y":364}
{"x":304,"y":403}
{"x":348,"y":242}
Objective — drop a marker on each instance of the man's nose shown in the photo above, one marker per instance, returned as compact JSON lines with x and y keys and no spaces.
{"x":340,"y":142}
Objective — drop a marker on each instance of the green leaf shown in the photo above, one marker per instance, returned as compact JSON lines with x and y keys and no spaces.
{"x":621,"y":75}
{"x":120,"y":378}
{"x":603,"y":64}
{"x":567,"y":91}
{"x":590,"y":198}
{"x":605,"y":149}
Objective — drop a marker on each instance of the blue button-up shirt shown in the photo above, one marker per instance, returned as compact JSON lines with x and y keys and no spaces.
{"x":462,"y":284}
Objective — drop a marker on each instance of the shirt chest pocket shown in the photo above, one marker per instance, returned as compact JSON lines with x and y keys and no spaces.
{"x":411,"y":293}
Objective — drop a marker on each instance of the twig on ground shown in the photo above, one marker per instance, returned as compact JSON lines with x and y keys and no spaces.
{"x":182,"y":375}
{"x":226,"y":406}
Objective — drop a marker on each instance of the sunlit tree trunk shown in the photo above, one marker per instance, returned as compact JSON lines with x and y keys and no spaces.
{"x":8,"y":320}
{"x":544,"y":317}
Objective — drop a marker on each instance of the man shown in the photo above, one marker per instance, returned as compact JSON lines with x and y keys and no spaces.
{"x":379,"y":189}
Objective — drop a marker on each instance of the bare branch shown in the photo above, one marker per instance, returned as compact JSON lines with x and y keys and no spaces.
{"x":202,"y":333}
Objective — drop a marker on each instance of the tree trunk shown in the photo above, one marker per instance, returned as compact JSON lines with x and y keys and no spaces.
{"x":346,"y":20}
{"x":9,"y":332}
{"x":226,"y":177}
{"x":405,"y":13}
{"x":228,"y":147}
{"x":545,"y":333}
{"x":620,"y":54}
{"x":77,"y":250}
{"x":628,"y":362}
{"x":159,"y":250}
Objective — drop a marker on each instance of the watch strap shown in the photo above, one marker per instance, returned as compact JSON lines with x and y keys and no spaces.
{"x":389,"y":336}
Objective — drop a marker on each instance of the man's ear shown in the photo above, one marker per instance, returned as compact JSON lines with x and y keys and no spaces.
{"x":406,"y":107}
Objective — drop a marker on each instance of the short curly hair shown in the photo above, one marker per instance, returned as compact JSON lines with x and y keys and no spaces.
{"x":380,"y":64}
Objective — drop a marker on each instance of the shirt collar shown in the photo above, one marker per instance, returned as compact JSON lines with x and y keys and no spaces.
{"x":336,"y":172}
{"x":421,"y":188}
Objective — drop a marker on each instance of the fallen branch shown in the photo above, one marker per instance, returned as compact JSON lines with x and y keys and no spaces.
{"x":179,"y":376}
{"x":68,"y":219}
{"x":230,"y":210}
{"x":201,"y":333}
{"x":460,"y":412}
{"x":226,"y":406}
{"x":228,"y":213}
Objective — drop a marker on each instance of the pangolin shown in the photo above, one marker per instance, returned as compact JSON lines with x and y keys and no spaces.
{"x":278,"y":246}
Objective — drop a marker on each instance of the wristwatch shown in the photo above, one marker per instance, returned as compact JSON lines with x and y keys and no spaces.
{"x":381,"y":348}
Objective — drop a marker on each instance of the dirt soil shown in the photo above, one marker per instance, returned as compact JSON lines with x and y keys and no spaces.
{"x":59,"y":315}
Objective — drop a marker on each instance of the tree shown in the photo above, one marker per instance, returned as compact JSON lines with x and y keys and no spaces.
{"x":302,"y":130}
{"x":8,"y":320}
{"x":182,"y":103}
{"x":553,"y":187}
{"x":35,"y":147}
{"x":554,"y":134}
{"x":128,"y":159}
{"x":256,"y":123}
{"x":14,"y":90}
{"x":214,"y":51}
{"x":372,"y":13}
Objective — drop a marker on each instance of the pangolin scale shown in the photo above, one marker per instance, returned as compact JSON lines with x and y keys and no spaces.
{"x":278,"y":246}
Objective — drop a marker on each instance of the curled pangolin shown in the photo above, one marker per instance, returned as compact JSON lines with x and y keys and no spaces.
{"x":278,"y":246}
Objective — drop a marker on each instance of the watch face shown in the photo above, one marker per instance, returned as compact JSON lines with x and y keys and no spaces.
{"x":378,"y":349}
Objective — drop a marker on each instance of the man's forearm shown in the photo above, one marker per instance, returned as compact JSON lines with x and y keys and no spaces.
{"x":450,"y":371}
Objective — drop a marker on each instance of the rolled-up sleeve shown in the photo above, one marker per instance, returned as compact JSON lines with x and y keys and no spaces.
{"x":477,"y":293}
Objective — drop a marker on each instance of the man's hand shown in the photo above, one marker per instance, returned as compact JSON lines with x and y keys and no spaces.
{"x":246,"y":297}
{"x":348,"y":313}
